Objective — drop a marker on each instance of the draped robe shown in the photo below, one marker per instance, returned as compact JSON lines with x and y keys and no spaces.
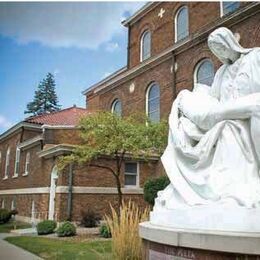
{"x":213,"y":150}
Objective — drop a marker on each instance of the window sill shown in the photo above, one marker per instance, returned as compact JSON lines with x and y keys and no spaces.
{"x":15,"y":176}
{"x":131,"y":187}
{"x":25,"y":174}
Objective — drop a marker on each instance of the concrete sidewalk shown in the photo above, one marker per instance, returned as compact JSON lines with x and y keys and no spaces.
{"x":11,"y":252}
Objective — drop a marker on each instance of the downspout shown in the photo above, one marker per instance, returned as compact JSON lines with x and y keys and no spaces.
{"x":69,"y":209}
{"x":174,"y":69}
{"x":22,"y":134}
{"x":128,"y":48}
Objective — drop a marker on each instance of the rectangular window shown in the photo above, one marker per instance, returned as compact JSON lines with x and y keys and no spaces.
{"x":27,"y":164}
{"x":229,"y":7}
{"x":17,"y":162}
{"x":131,"y":174}
{"x":7,"y":164}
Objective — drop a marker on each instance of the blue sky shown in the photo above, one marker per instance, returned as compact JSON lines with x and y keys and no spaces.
{"x":80,"y":43}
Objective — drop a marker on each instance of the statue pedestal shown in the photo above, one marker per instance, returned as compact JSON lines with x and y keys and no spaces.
{"x":163,"y":243}
{"x":208,"y":217}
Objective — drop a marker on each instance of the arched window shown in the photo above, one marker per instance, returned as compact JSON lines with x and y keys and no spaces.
{"x":17,"y":162}
{"x":117,"y":107}
{"x":27,"y":164}
{"x":153,"y":102}
{"x":228,"y":7}
{"x":145,"y":46}
{"x":181,"y":24}
{"x":7,"y":163}
{"x":204,"y":72}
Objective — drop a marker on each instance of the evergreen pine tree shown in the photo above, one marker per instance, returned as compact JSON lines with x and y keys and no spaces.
{"x":45,"y":98}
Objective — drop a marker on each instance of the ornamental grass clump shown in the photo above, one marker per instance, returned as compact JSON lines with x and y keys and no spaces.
{"x":124,"y":227}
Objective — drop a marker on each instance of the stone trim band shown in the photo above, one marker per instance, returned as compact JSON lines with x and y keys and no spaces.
{"x":75,"y":189}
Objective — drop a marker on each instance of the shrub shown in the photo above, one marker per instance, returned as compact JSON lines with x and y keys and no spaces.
{"x":105,"y":231}
{"x":5,"y":216}
{"x":152,"y":186}
{"x":67,"y":229}
{"x":46,"y":227}
{"x":13,"y":212}
{"x":90,"y":219}
{"x":126,"y":243}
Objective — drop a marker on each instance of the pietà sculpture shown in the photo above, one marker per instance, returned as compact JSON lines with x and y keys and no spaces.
{"x":213,"y":153}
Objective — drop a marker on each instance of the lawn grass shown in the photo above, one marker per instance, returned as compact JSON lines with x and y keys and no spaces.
{"x":7,"y":227}
{"x":49,"y":248}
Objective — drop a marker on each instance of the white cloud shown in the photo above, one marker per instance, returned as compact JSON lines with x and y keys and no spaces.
{"x":4,"y":123}
{"x":106,"y":74}
{"x":64,"y":24}
{"x":112,"y":46}
{"x":56,"y":72}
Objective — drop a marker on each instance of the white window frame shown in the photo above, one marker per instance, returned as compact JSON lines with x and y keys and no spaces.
{"x":222,"y":8}
{"x":17,"y":162}
{"x":141,"y":45}
{"x":7,"y":163}
{"x":147,"y":100}
{"x":195,"y":77}
{"x":114,"y":104}
{"x":3,"y":204}
{"x":137,"y":175}
{"x":176,"y":24}
{"x":27,"y":164}
{"x":13,"y":204}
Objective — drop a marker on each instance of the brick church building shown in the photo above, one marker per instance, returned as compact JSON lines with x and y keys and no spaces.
{"x":167,"y":51}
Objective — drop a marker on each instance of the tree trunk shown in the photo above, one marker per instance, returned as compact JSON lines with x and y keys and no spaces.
{"x":120,"y":197}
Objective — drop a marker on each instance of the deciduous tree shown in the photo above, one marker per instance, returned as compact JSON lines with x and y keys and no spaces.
{"x":106,"y":134}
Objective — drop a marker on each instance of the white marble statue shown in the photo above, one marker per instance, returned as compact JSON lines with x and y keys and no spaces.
{"x":213,"y":153}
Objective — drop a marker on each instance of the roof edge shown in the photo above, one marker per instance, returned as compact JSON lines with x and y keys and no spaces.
{"x":137,"y":13}
{"x":105,"y":80}
{"x":17,"y":126}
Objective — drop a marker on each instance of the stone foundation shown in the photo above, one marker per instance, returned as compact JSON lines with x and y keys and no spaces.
{"x":160,"y":243}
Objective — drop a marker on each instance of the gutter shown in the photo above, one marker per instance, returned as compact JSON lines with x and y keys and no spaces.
{"x":56,"y":150}
{"x":138,"y":14}
{"x":30,"y":142}
{"x":16,"y":127}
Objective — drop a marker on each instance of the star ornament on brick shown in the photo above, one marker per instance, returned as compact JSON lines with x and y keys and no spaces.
{"x":161,"y":13}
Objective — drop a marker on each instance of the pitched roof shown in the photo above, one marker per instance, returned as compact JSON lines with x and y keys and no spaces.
{"x":65,"y":117}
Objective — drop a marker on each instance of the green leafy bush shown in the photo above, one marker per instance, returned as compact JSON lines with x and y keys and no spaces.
{"x":67,"y":229}
{"x":5,"y":216}
{"x":89,"y":219}
{"x":152,"y":186}
{"x":105,"y":231}
{"x":46,"y":227}
{"x":13,"y":212}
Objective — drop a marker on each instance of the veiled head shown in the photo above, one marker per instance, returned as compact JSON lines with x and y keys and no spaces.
{"x":225,"y":46}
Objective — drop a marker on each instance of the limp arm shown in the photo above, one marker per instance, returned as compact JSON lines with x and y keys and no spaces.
{"x":206,"y":111}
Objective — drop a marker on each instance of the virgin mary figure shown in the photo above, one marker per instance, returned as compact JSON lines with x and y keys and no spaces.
{"x":213,"y":153}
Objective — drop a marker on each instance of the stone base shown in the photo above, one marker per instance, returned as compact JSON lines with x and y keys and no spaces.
{"x":161,"y":243}
{"x":208,"y":217}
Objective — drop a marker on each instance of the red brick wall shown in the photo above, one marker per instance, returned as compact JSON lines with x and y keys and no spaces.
{"x":99,"y":177}
{"x":99,"y":203}
{"x":202,"y":15}
{"x":163,"y":29}
{"x":136,"y":101}
{"x":24,"y":204}
{"x":62,"y":136}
